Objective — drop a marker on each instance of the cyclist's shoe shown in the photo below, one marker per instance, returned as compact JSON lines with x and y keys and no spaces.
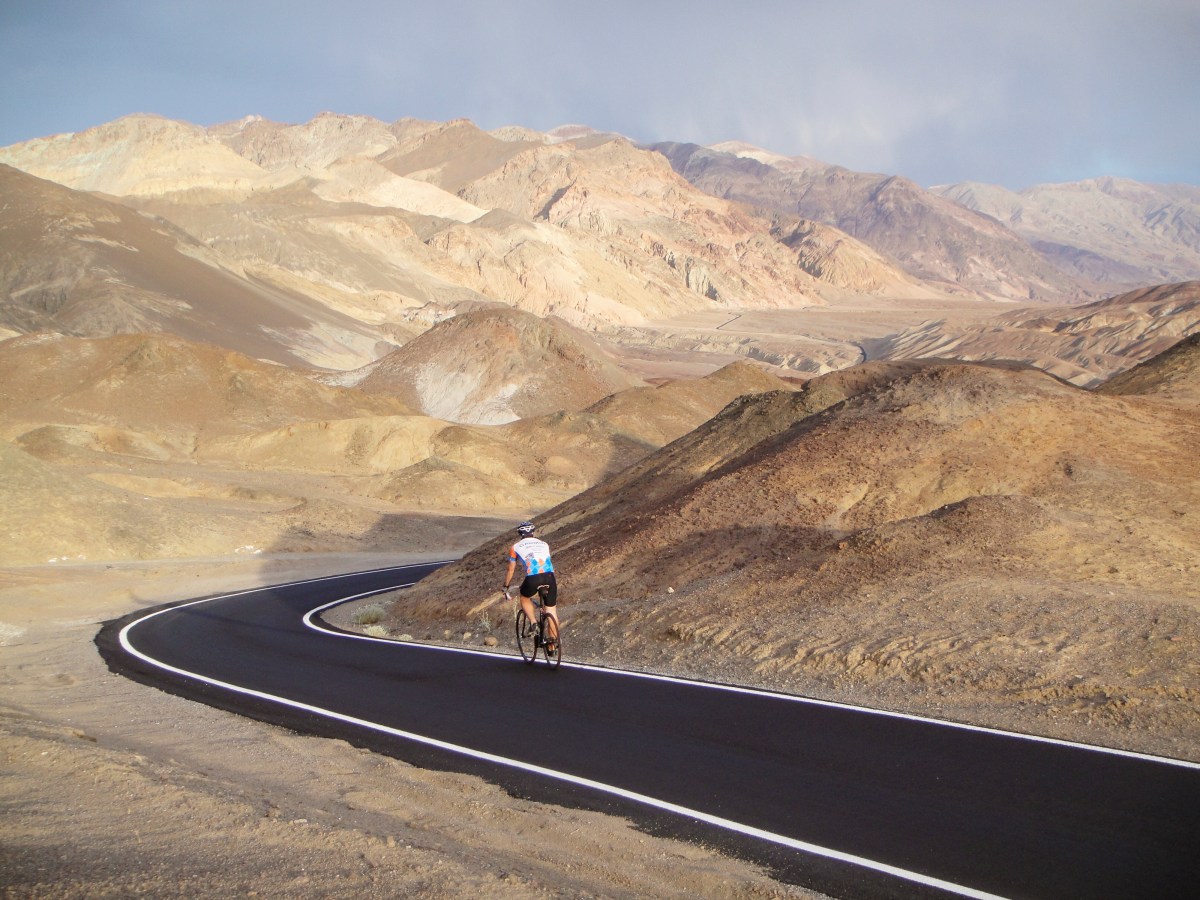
{"x":551,"y":647}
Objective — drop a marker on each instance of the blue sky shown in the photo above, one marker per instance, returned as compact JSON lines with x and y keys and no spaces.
{"x":1008,"y":92}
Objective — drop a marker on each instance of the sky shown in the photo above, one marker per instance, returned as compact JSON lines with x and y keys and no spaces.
{"x":1007,"y":92}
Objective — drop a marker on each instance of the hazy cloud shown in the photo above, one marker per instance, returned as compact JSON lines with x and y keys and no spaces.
{"x":939,"y":91}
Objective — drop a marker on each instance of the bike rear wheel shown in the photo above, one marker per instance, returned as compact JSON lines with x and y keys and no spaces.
{"x":526,"y":637}
{"x":552,"y":643}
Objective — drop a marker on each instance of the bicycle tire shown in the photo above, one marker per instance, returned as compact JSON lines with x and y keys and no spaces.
{"x":553,"y":659}
{"x":526,"y":637}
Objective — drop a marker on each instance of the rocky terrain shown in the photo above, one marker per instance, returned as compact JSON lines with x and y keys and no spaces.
{"x":930,"y":236}
{"x":144,"y":446}
{"x":496,"y":366}
{"x":1102,"y":235}
{"x":395,"y":226}
{"x":81,"y":264}
{"x":1082,"y":344}
{"x":984,"y":543}
{"x":785,"y":425}
{"x":1107,"y":230}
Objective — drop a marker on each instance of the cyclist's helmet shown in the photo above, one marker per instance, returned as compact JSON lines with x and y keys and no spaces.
{"x":525,"y":529}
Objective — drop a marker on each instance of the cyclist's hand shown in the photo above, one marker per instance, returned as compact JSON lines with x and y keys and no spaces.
{"x":504,"y":591}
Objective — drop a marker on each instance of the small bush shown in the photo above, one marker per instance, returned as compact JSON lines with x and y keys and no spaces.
{"x":370,"y":615}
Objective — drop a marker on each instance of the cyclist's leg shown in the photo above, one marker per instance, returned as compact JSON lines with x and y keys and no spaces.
{"x":526,"y":597}
{"x":551,"y":603}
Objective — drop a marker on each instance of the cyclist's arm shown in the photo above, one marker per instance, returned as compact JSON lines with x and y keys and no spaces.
{"x":508,"y":576}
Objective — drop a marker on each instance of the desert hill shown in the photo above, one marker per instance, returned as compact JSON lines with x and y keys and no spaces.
{"x":416,"y":462}
{"x":52,"y":513}
{"x":137,"y":155}
{"x":929,"y":236}
{"x":246,"y":454}
{"x":496,"y":365}
{"x":169,"y":389}
{"x":985,"y":541}
{"x":83,"y":265}
{"x":338,"y":239}
{"x":658,"y":415}
{"x":1172,"y":375}
{"x":1082,"y":344}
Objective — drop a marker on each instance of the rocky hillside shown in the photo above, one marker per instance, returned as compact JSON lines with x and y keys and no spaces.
{"x":334,"y":241}
{"x":1111,"y":231}
{"x":929,"y":236}
{"x":163,"y":387}
{"x":1173,"y":375}
{"x":496,"y":365}
{"x":983,"y":542}
{"x":396,"y":226}
{"x":1082,"y":344}
{"x":80,"y":264}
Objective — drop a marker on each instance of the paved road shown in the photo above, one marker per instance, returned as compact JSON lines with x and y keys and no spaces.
{"x":850,"y":802}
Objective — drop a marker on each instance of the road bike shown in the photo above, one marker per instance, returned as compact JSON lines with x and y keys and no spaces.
{"x":541,"y":635}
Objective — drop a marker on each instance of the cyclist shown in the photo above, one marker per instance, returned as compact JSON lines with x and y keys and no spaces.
{"x":534,"y":554}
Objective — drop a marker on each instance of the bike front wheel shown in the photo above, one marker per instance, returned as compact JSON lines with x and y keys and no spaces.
{"x":526,"y":637}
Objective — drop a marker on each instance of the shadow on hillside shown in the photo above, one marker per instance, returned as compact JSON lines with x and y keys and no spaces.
{"x":391,"y":535}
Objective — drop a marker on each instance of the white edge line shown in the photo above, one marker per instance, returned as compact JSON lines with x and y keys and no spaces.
{"x":757,"y":692}
{"x":676,"y":809}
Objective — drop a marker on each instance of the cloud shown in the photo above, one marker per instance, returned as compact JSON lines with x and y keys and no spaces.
{"x":940,"y":90}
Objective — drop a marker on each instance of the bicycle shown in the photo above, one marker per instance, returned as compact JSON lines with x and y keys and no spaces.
{"x":534,"y":636}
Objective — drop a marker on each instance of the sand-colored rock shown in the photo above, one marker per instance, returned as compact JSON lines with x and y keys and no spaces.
{"x":346,"y":235}
{"x":163,"y":386}
{"x":1082,"y":344}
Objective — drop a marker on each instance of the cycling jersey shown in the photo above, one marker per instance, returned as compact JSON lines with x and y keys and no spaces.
{"x":534,"y":555}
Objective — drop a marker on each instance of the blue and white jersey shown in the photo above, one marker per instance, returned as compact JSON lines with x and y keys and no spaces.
{"x":534,"y":554}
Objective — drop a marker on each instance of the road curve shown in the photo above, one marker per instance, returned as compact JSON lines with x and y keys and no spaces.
{"x":851,"y":802}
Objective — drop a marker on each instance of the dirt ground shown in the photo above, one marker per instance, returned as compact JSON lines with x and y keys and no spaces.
{"x":111,"y":788}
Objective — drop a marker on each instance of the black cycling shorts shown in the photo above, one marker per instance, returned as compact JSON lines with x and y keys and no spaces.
{"x":532,"y":582}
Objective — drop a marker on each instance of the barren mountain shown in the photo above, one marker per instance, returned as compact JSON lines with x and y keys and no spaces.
{"x":494,"y":366}
{"x":1082,"y":344}
{"x":928,"y":236}
{"x":138,"y":155}
{"x":983,"y":542}
{"x":393,"y":227}
{"x":79,"y":264}
{"x":1111,"y":231}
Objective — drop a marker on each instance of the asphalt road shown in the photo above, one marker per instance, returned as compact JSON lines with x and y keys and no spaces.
{"x":851,"y":802}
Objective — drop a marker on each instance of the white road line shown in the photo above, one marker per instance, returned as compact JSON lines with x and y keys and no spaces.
{"x":613,"y":790}
{"x":643,"y":799}
{"x":764,"y":692}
